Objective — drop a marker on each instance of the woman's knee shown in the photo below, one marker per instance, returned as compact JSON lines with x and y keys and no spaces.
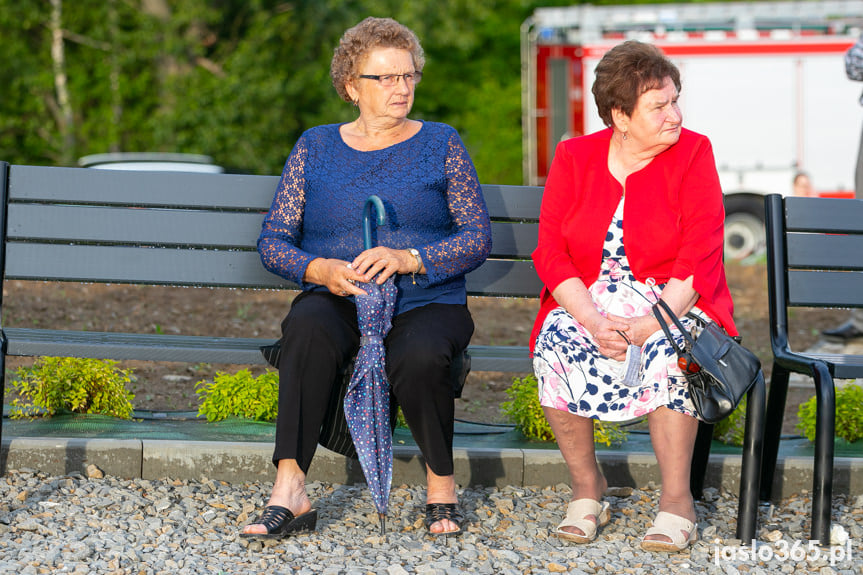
{"x":424,"y":353}
{"x":315,"y":315}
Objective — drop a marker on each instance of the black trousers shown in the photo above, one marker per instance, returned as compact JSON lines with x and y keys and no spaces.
{"x":320,"y":336}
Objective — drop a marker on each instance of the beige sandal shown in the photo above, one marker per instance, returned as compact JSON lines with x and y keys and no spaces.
{"x":577,"y":515}
{"x":680,"y":530}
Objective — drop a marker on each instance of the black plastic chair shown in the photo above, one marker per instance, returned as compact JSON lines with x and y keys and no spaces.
{"x":814,"y":259}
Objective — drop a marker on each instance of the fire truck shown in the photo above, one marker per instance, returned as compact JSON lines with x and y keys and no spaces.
{"x":765,"y":81}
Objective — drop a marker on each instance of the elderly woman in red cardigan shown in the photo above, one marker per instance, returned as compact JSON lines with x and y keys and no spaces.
{"x":630,"y":214}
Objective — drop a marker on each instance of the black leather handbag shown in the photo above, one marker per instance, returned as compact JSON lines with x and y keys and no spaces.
{"x":718,"y":369}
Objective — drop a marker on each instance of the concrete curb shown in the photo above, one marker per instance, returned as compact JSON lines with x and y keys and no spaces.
{"x":237,"y":462}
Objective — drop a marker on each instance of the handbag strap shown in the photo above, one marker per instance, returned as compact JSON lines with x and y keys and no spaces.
{"x":667,"y":330}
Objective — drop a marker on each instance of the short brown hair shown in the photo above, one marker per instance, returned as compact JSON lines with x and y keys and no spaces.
{"x":357,"y":41}
{"x":625,"y":73}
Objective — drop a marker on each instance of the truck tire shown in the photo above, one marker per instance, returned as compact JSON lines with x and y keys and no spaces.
{"x":744,"y":227}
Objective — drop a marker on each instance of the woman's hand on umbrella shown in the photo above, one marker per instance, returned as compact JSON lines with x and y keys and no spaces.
{"x":338,"y":276}
{"x":384,"y":262}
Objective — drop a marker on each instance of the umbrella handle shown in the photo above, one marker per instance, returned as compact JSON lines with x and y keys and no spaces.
{"x":373,"y":202}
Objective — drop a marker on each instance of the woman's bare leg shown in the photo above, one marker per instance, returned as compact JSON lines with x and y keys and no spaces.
{"x":441,"y":489}
{"x":575,"y":439}
{"x":673,"y":437}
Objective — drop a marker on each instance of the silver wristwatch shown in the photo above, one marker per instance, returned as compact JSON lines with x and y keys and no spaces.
{"x":415,"y":253}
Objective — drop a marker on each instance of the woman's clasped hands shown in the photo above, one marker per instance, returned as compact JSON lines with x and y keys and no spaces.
{"x":384,"y":262}
{"x":606,"y":332}
{"x":341,"y":277}
{"x":613,"y":334}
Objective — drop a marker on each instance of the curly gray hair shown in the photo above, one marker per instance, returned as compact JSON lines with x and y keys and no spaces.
{"x":369,"y":34}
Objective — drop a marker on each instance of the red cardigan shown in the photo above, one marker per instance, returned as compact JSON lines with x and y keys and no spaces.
{"x":673,"y":214}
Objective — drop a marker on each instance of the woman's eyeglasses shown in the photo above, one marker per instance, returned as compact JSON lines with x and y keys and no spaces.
{"x":390,"y":80}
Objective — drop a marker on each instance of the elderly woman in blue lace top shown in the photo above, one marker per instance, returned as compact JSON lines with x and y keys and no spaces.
{"x":437,"y":230}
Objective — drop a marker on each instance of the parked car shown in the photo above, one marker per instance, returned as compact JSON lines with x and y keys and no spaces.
{"x":151,"y":162}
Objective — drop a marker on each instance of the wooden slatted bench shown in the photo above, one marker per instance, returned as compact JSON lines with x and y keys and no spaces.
{"x":185,"y":229}
{"x":190,"y":229}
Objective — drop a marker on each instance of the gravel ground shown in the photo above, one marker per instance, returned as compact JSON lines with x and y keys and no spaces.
{"x":78,"y":524}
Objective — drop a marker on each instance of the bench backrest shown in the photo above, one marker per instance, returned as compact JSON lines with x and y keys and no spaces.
{"x":814,"y":254}
{"x":111,"y":226}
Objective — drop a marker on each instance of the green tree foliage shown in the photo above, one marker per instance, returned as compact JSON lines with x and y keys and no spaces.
{"x":26,"y":127}
{"x":241,"y":79}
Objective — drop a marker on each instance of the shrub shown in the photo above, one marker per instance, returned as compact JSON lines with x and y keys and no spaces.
{"x":849,"y":414}
{"x":731,"y":429}
{"x":400,"y":419}
{"x":241,"y":395}
{"x":69,"y":384}
{"x":524,"y":410}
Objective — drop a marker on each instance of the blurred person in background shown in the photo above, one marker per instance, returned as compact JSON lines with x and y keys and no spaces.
{"x":853,"y":327}
{"x":802,"y":185}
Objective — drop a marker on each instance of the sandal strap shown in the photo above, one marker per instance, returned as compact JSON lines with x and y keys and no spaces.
{"x":577,"y":512}
{"x":672,"y":526}
{"x":274,"y":517}
{"x":439,"y":511}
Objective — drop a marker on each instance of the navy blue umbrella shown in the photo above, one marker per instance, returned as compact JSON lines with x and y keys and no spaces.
{"x":367,"y":401}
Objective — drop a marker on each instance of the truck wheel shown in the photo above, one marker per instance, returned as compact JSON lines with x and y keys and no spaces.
{"x":744,"y":227}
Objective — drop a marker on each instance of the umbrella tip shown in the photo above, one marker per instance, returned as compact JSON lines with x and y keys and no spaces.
{"x":383,"y":519}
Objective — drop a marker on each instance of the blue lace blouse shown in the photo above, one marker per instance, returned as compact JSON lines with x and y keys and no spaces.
{"x":429,"y":189}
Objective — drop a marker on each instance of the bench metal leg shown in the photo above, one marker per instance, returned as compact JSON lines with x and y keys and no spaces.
{"x":753,"y":447}
{"x":822,"y":481}
{"x":2,"y":382}
{"x":700,"y":457}
{"x":773,"y":427}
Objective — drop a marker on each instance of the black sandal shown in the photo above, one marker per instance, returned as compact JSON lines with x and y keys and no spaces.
{"x":281,"y":522}
{"x":438,"y":511}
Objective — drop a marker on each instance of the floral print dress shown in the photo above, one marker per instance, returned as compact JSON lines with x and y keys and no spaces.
{"x":575,"y":377}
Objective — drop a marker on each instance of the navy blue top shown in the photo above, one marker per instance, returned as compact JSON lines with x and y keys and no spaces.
{"x":429,"y":189}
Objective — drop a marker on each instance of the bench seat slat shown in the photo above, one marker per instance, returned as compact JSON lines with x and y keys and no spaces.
{"x":191,"y":228}
{"x":141,"y":265}
{"x":125,"y":346}
{"x":504,"y":278}
{"x":169,"y":266}
{"x":117,"y":187}
{"x":825,"y":252}
{"x":133,"y":226}
{"x":196,"y":349}
{"x":825,"y":215}
{"x":513,"y":202}
{"x":500,"y":358}
{"x":841,"y":366}
{"x":510,"y":240}
{"x":825,"y":288}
